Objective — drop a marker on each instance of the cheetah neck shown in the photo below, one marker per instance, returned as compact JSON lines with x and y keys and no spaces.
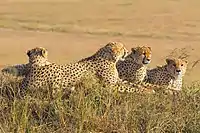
{"x":129,"y":57}
{"x":38,"y":61}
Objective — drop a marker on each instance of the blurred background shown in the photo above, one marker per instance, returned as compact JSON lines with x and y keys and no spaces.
{"x":74,"y":29}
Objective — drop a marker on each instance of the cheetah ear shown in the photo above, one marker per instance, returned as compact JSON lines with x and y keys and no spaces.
{"x":186,"y":61}
{"x":44,"y":52}
{"x":133,"y":50}
{"x":149,"y":48}
{"x":169,"y":61}
{"x":28,"y":53}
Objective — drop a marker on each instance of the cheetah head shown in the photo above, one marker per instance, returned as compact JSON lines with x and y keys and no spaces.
{"x":176,"y":67}
{"x":113,"y":51}
{"x":37,"y":53}
{"x":142,"y":55}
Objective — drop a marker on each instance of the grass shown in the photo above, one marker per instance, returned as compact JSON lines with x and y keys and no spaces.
{"x":97,"y":109}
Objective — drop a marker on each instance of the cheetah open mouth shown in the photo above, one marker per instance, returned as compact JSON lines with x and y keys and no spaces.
{"x":145,"y":62}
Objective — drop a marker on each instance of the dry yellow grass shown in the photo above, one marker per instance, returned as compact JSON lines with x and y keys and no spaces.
{"x":96,"y":109}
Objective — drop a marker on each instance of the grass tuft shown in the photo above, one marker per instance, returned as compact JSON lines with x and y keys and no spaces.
{"x":94,"y":108}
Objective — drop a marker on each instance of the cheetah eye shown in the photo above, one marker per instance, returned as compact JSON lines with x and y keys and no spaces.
{"x":181,"y":64}
{"x":144,"y":53}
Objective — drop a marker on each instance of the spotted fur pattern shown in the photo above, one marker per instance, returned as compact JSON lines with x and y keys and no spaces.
{"x":169,"y":75}
{"x":37,"y":57}
{"x":133,"y":68}
{"x":102,"y":64}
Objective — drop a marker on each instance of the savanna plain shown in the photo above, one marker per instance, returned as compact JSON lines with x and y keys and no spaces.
{"x":73,"y":29}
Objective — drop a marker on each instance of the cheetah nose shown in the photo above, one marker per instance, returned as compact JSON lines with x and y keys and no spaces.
{"x":178,"y":70}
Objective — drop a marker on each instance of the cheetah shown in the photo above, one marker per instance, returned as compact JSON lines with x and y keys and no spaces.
{"x":134,"y":67}
{"x":38,"y":56}
{"x":102,"y":64}
{"x":169,"y":75}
